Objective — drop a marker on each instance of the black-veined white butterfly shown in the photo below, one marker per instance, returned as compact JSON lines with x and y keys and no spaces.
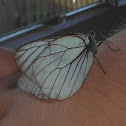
{"x":56,"y":68}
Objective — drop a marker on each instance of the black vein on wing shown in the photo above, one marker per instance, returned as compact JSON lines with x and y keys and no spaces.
{"x":25,"y":50}
{"x":78,"y":74}
{"x":82,"y":39}
{"x":19,"y":49}
{"x":72,"y":74}
{"x":67,"y":47}
{"x":24,"y":53}
{"x":49,"y":54}
{"x":20,"y":55}
{"x":49,"y":64}
{"x":64,"y":81}
{"x":24,"y":88}
{"x":51,"y":71}
{"x":57,"y":75}
{"x":60,"y":68}
{"x":28,"y":58}
{"x":75,"y":68}
{"x":37,"y":65}
{"x":54,"y":83}
{"x":48,"y":76}
{"x":65,"y":76}
{"x":59,"y":45}
{"x":35,"y":82}
{"x":33,"y":60}
{"x":57,"y":65}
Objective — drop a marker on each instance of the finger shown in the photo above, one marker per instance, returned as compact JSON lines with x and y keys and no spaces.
{"x":7,"y":62}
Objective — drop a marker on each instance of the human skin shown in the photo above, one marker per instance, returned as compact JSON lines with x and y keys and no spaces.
{"x":101,"y":101}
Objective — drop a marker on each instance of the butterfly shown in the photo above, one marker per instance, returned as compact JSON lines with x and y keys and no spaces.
{"x":56,"y":68}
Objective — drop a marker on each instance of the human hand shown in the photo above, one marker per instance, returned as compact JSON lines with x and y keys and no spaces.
{"x":101,"y":100}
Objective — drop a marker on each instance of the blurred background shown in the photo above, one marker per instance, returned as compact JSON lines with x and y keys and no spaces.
{"x":21,"y":16}
{"x":15,"y":14}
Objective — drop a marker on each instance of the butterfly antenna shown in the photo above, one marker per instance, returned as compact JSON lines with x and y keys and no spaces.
{"x":108,"y":41}
{"x":110,"y":47}
{"x":104,"y":38}
{"x":99,"y":64}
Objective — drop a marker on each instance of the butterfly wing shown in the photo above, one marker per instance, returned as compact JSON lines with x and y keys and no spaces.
{"x":25,"y":84}
{"x":25,"y":56}
{"x":59,"y":69}
{"x":61,"y":83}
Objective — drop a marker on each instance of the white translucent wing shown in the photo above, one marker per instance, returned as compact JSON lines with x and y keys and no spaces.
{"x":27,"y":54}
{"x":58,"y":68}
{"x":61,"y":73}
{"x":61,"y":83}
{"x":27,"y":85}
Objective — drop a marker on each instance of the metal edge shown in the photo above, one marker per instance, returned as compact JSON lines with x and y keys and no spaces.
{"x":25,"y":30}
{"x":82,"y":9}
{"x":33,"y":27}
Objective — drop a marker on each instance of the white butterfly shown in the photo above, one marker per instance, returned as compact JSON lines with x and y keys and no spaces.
{"x":56,"y":68}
